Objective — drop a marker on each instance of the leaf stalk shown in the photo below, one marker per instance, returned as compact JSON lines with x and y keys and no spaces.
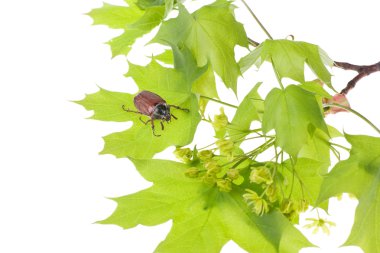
{"x":257,"y":20}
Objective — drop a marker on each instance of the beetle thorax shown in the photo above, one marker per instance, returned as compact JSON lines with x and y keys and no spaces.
{"x":161,"y":111}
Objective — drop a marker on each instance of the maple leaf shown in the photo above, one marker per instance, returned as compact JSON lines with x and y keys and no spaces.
{"x":303,"y":179}
{"x":144,"y":4}
{"x":135,"y":22}
{"x":211,"y":33}
{"x":292,"y":112}
{"x":288,"y":59}
{"x":204,"y":219}
{"x":183,"y":60}
{"x":359,"y":175}
{"x":250,"y":109}
{"x":138,"y":141}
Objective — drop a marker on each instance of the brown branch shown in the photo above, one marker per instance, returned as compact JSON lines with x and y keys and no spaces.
{"x":363,"y":70}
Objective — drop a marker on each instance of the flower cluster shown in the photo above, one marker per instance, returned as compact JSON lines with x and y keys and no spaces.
{"x":213,"y":169}
{"x":265,"y":194}
{"x":262,"y":177}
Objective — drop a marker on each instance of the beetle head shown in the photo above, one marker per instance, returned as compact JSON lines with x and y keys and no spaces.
{"x":162,"y":111}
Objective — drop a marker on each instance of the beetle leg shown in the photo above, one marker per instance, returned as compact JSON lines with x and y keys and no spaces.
{"x":174,"y":117}
{"x":179,"y":108}
{"x":128,"y":110}
{"x":145,"y":122}
{"x":162,"y":125}
{"x":154,"y":133}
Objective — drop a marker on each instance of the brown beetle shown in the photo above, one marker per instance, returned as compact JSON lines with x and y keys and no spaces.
{"x":152,"y":105}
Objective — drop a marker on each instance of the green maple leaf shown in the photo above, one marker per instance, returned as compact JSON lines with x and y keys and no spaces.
{"x":138,"y":141}
{"x":293,"y":113}
{"x":114,"y":16}
{"x":135,"y":22}
{"x":250,"y":109}
{"x":182,"y":58}
{"x":303,"y":179}
{"x":204,"y":219}
{"x":359,"y":175}
{"x":203,"y":78}
{"x":211,"y":33}
{"x":288,"y":59}
{"x":144,"y":4}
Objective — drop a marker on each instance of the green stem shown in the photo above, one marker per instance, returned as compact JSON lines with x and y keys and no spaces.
{"x":340,"y":146}
{"x":218,"y":101}
{"x":257,"y":20}
{"x":228,"y":126}
{"x":356,"y":113}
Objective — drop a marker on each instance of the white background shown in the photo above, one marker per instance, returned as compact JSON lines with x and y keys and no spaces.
{"x":53,"y":183}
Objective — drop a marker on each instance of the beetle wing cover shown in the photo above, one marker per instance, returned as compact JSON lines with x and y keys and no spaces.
{"x":145,"y":102}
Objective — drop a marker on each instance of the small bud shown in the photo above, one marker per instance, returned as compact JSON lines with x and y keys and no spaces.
{"x":303,"y":205}
{"x":271,"y":192}
{"x":212,"y":167}
{"x":220,"y":121}
{"x":224,"y":185}
{"x":287,"y":206}
{"x":192,"y":172}
{"x":340,"y":99}
{"x":233,"y":174}
{"x":205,"y":155}
{"x":209,"y":179}
{"x":225,"y":146}
{"x":261,"y":175}
{"x":183,"y":154}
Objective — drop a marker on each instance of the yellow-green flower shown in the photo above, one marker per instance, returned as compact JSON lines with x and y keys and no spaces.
{"x":233,"y":174}
{"x":225,"y":146}
{"x":320,"y":223}
{"x":220,"y":121}
{"x":209,"y":179}
{"x":287,"y":206}
{"x":205,"y":155}
{"x":261,"y":175}
{"x":271,"y":192}
{"x":212,"y":167}
{"x":183,"y":154}
{"x":192,"y":172}
{"x":259,"y":205}
{"x":224,"y":185}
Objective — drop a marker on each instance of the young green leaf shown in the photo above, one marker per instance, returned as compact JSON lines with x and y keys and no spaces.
{"x":288,"y":59}
{"x":359,"y":175}
{"x":117,"y":17}
{"x":151,"y":18}
{"x":250,"y":109}
{"x":211,"y":33}
{"x":317,"y":147}
{"x":291,"y":112}
{"x":138,"y":141}
{"x":204,"y":219}
{"x":135,"y":22}
{"x":303,"y":179}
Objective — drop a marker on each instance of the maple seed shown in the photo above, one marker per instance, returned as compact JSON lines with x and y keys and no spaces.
{"x":154,"y":106}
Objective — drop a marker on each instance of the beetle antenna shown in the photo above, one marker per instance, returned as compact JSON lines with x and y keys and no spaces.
{"x":174,"y":117}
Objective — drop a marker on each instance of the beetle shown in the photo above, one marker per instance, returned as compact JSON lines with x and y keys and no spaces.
{"x":152,"y":105}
